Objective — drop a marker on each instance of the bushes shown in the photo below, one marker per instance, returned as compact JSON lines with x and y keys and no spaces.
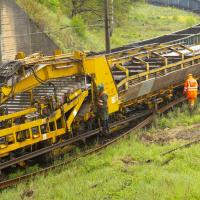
{"x":68,"y":34}
{"x":52,"y":4}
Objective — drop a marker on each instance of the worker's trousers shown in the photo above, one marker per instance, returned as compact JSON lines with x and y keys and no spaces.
{"x":191,"y":103}
{"x":105,"y":126}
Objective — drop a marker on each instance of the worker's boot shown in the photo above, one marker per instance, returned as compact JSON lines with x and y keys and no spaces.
{"x":104,"y":132}
{"x":107,"y":131}
{"x":101,"y":137}
{"x":191,"y":109}
{"x":106,"y":127}
{"x":101,"y":131}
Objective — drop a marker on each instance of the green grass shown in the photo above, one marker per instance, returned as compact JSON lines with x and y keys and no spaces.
{"x":148,"y":21}
{"x":141,"y":21}
{"x":107,"y":176}
{"x":179,"y":116}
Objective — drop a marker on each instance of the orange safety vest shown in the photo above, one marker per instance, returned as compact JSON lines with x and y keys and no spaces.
{"x":191,"y":88}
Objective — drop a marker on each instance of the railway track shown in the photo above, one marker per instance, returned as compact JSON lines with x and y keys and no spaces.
{"x":190,"y":5}
{"x":148,"y":120}
{"x":188,"y":36}
{"x":78,"y":138}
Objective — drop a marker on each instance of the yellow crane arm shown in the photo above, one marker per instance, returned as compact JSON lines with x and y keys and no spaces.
{"x":17,"y":114}
{"x":35,"y":79}
{"x":95,"y":66}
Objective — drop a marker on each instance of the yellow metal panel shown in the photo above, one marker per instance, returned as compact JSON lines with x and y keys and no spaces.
{"x":17,"y":114}
{"x":46,"y":73}
{"x":75,"y":110}
{"x":29,"y":142}
{"x":77,"y":102}
{"x":98,"y":66}
{"x":75,"y":94}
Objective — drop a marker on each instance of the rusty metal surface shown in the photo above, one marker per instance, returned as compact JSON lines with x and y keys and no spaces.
{"x":19,"y":33}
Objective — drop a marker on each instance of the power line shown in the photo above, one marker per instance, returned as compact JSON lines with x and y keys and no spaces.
{"x":49,"y":32}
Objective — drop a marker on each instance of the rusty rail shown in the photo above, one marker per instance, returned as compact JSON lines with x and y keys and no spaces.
{"x":147,"y":121}
{"x":67,"y":142}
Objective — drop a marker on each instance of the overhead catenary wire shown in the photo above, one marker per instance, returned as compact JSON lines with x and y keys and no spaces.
{"x":49,"y":32}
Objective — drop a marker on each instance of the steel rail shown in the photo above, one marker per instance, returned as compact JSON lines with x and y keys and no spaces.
{"x":67,"y":142}
{"x":189,"y":144}
{"x":17,"y":180}
{"x":144,"y":123}
{"x":92,"y":133}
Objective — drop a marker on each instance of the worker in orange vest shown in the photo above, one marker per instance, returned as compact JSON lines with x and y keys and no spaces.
{"x":191,"y":90}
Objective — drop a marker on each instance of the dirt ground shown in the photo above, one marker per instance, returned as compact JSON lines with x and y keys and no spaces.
{"x":167,"y":135}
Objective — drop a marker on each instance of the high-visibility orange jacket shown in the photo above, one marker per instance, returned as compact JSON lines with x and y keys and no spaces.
{"x":191,"y":88}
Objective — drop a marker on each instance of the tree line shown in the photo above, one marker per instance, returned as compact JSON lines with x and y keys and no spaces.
{"x":79,"y":7}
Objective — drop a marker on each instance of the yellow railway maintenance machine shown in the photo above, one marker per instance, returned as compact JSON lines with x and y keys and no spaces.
{"x":140,"y":76}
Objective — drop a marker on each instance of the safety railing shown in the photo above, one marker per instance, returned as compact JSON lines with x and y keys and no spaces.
{"x":133,"y":80}
{"x":41,"y":129}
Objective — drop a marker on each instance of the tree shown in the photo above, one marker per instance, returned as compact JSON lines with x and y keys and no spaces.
{"x":53,"y":4}
{"x":83,"y":6}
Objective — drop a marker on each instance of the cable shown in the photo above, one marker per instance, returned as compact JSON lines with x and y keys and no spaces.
{"x":44,"y":83}
{"x":11,"y":68}
{"x":11,"y":92}
{"x":48,"y":32}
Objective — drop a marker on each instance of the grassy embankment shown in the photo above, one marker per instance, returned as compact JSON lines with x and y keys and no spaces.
{"x":121,"y":171}
{"x":141,"y":21}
